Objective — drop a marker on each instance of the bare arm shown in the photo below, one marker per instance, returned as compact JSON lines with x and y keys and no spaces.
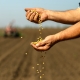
{"x":69,"y":33}
{"x":49,"y":41}
{"x":66,"y":17}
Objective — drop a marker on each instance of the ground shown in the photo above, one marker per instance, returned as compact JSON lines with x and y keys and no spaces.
{"x":19,"y":61}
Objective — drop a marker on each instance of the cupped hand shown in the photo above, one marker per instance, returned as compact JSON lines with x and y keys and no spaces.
{"x":36,"y":14}
{"x":45,"y":44}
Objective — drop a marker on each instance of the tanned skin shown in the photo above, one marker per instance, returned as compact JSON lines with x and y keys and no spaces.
{"x":66,"y":17}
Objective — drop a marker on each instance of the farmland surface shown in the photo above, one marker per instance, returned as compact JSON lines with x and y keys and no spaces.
{"x":19,"y":61}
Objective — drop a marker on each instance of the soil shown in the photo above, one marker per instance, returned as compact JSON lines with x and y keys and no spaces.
{"x":18,"y":60}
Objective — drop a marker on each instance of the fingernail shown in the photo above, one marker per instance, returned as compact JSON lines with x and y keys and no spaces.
{"x":24,"y":8}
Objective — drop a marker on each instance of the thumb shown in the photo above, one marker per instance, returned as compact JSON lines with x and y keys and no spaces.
{"x":26,"y":9}
{"x":40,"y":44}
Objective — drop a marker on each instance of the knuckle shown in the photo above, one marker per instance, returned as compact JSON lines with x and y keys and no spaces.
{"x":27,"y":18}
{"x":31,"y":19}
{"x":35,"y":19}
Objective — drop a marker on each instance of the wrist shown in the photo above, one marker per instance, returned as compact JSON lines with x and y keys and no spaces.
{"x":57,"y":37}
{"x":49,"y":14}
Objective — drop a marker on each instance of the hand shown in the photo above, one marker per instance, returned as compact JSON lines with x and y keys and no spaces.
{"x":33,"y":14}
{"x":45,"y":44}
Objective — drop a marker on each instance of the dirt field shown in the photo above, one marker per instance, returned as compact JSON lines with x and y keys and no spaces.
{"x":61,"y":62}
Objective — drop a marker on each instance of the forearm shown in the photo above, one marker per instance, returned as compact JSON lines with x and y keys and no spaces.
{"x":66,"y":17}
{"x":69,"y":33}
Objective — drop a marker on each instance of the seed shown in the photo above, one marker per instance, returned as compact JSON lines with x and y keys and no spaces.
{"x":37,"y":72}
{"x":34,"y":42}
{"x":43,"y":62}
{"x":40,"y":76}
{"x":43,"y":74}
{"x":26,"y":53}
{"x":32,"y":67}
{"x":38,"y":38}
{"x":39,"y":30}
{"x":37,"y":64}
{"x":21,"y":37}
{"x":42,"y":28}
{"x":32,"y":10}
{"x":37,"y":41}
{"x":42,"y":67}
{"x":36,"y":12}
{"x":40,"y":71}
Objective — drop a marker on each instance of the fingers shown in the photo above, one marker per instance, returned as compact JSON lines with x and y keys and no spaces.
{"x":32,"y":16}
{"x":40,"y":46}
{"x":42,"y":43}
{"x":36,"y":17}
{"x":28,"y":14}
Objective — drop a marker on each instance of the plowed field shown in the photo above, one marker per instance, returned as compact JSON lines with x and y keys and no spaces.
{"x":18,"y":60}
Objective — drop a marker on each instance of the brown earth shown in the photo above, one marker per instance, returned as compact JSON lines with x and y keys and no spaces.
{"x":61,"y":62}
